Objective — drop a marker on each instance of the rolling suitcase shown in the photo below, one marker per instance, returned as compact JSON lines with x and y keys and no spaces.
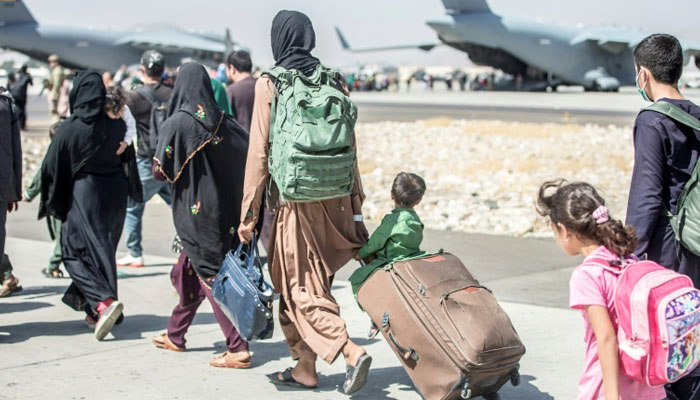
{"x":448,"y":331}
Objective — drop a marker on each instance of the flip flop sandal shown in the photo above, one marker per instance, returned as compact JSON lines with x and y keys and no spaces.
{"x":50,"y":273}
{"x":373,"y":332}
{"x":221,"y":362}
{"x":162,"y":341}
{"x":287,"y":380}
{"x":4,"y":292}
{"x":356,"y":376}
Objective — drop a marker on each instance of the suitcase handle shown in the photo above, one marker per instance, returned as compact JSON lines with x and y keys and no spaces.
{"x":406,"y":352}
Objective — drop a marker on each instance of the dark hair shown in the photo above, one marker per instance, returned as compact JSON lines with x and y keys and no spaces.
{"x":240,"y":60}
{"x":573,"y":204}
{"x":53,"y":128}
{"x":115,"y":99}
{"x":23,"y":68}
{"x":408,"y":189}
{"x":663,"y":55}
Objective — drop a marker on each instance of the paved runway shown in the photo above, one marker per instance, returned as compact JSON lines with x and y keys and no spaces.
{"x":561,"y":107}
{"x":49,"y":353}
{"x":369,"y":111}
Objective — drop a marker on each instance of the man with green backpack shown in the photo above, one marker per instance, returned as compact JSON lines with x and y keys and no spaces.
{"x":302,"y":157}
{"x":664,"y":200}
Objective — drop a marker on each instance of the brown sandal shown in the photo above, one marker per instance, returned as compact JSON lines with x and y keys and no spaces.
{"x":226,"y":360}
{"x":10,"y":286}
{"x":162,"y":341}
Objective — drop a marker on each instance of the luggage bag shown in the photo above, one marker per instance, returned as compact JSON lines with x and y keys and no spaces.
{"x":448,"y":331}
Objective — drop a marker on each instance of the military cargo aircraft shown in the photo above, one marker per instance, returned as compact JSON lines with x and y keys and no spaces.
{"x":104,"y":49}
{"x":541,"y":54}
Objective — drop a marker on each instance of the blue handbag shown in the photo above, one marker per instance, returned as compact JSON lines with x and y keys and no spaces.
{"x":243,"y":294}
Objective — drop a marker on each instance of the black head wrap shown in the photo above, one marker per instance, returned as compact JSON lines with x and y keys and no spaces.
{"x":292,"y":39}
{"x":87,"y":96}
{"x":78,"y":138}
{"x":194,"y":95}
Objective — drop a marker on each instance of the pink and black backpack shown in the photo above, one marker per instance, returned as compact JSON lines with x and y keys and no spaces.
{"x":659,"y":321}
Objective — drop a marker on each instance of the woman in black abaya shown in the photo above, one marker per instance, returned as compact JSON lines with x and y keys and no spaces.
{"x":202,"y":152}
{"x":84,"y":185}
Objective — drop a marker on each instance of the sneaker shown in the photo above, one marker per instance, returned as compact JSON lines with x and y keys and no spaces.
{"x":130,"y":261}
{"x":108,"y":318}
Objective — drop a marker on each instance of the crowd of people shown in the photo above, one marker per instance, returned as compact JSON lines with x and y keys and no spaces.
{"x":211,"y":153}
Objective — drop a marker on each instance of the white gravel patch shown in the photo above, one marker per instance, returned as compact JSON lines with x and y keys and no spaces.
{"x":481,"y":176}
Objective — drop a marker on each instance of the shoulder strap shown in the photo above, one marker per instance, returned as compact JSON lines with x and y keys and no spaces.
{"x":676,"y":113}
{"x":148,"y":94}
{"x":605,"y":264}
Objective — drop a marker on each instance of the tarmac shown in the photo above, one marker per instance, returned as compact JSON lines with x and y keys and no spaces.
{"x":48,"y":352}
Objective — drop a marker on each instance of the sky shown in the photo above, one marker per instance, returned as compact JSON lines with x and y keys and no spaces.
{"x":363,"y":22}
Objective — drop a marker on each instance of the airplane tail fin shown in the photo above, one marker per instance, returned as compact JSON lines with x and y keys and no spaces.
{"x":15,"y":12}
{"x":228,"y":41}
{"x":343,"y":42}
{"x":466,"y":6}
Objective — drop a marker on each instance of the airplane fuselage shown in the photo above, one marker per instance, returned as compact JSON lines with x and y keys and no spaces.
{"x":528,"y":47}
{"x":78,"y":47}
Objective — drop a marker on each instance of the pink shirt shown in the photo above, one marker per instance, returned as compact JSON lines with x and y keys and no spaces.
{"x":593,"y":285}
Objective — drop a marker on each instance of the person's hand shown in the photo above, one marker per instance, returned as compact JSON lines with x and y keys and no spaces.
{"x":357,"y":256}
{"x":245,"y":230}
{"x":122,"y":147}
{"x":12,"y":206}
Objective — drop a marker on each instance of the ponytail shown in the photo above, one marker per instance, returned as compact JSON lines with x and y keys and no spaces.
{"x":580,"y":208}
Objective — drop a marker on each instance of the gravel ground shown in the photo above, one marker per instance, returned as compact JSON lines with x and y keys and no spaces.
{"x":482,"y":176}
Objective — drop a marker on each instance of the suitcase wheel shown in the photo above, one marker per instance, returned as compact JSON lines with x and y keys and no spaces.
{"x":515,"y":377}
{"x":492,"y":396}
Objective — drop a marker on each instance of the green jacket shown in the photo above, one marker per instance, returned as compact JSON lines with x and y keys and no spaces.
{"x":221,"y":97}
{"x":397,"y":238}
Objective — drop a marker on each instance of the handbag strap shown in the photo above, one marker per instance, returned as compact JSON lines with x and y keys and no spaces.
{"x":252,"y":252}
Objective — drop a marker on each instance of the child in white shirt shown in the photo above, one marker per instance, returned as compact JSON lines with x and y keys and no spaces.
{"x":115,"y":107}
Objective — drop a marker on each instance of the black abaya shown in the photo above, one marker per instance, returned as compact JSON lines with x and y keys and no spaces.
{"x":83,"y":184}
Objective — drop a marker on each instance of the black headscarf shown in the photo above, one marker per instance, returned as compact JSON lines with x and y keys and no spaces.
{"x":193,"y":94}
{"x":202,"y":151}
{"x":292,"y":39}
{"x":78,"y":138}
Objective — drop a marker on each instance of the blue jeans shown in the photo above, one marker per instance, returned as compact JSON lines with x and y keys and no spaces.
{"x":134,"y":211}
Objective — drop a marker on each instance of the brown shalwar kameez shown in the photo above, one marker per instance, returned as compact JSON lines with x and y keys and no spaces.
{"x":310,"y":242}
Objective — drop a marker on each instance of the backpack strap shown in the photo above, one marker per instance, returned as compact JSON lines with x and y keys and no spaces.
{"x":678,"y":114}
{"x":605,"y":264}
{"x":148,"y":94}
{"x":675,"y":113}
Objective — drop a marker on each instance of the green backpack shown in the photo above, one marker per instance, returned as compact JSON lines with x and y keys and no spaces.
{"x":686,"y":222}
{"x":312,"y":154}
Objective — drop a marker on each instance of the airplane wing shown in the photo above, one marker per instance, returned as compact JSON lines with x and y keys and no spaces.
{"x":616,"y":40}
{"x":346,"y":46}
{"x":172,"y":40}
{"x":610,"y":39}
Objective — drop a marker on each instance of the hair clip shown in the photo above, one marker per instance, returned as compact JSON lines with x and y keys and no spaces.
{"x":601,"y":214}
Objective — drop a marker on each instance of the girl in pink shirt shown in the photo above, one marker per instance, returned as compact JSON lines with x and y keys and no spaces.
{"x":581,"y":225}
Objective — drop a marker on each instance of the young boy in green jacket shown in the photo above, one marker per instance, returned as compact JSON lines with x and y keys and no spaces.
{"x":399,"y":235}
